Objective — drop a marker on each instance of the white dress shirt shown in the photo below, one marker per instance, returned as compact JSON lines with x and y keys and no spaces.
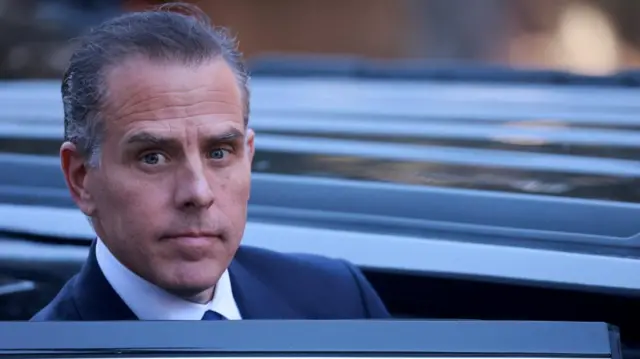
{"x":149,"y":302}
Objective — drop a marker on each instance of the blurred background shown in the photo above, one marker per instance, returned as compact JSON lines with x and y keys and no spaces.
{"x":570,"y":143}
{"x":587,"y":36}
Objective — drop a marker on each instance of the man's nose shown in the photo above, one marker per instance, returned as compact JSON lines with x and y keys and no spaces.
{"x":193,"y":189}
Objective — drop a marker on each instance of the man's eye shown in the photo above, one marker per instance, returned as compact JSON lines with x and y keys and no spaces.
{"x":218,"y":153}
{"x":153,"y":158}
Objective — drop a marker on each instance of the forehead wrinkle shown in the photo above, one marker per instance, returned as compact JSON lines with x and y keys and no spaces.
{"x":139,"y":74}
{"x":177,"y":112}
{"x":182,"y":100}
{"x":132,"y":82}
{"x":172,"y":116}
{"x":145,"y":97}
{"x":194,"y":96}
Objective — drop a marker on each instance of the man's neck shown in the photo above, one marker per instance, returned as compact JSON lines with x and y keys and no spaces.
{"x":149,"y":302}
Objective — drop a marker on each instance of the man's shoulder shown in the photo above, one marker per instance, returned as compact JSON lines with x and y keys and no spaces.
{"x":61,"y":308}
{"x":300,"y":265}
{"x":321,"y":287}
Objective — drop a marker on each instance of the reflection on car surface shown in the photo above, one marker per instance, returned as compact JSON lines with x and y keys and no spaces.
{"x":316,"y":339}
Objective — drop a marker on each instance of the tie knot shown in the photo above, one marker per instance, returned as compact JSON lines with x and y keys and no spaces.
{"x":211,"y":315}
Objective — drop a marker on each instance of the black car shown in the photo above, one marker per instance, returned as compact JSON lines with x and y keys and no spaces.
{"x":493,"y":194}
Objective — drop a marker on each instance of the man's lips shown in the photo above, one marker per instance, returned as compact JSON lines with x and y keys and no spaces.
{"x":191,"y":246}
{"x":192,"y":236}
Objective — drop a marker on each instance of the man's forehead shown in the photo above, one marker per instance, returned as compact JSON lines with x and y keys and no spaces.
{"x":145,"y":72}
{"x":173,"y":100}
{"x":138,"y":85}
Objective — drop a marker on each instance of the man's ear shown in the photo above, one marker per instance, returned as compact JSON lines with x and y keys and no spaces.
{"x":75,"y":172}
{"x":251,"y":149}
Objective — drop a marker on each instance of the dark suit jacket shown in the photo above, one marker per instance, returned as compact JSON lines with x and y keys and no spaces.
{"x":266,"y":285}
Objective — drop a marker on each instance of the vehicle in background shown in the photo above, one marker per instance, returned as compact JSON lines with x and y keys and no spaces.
{"x":474,"y":193}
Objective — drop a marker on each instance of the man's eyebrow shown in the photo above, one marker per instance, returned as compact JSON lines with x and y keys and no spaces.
{"x":227,"y":136}
{"x":149,"y":138}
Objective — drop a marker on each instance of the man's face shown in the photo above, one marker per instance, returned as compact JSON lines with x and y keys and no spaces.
{"x":169,"y":197}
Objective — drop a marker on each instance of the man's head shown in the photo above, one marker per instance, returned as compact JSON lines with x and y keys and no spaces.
{"x":157,"y":150}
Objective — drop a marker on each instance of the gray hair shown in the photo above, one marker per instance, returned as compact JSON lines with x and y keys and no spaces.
{"x":171,"y":32}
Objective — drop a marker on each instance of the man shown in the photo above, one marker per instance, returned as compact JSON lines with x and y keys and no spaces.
{"x":158,"y":156}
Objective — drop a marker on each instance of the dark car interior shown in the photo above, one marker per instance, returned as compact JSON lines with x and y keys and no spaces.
{"x":410,"y":295}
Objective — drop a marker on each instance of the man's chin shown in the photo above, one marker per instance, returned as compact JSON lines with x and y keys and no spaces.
{"x":194,"y":295}
{"x":191,"y":280}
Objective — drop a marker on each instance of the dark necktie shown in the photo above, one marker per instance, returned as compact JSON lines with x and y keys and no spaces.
{"x":211,"y":315}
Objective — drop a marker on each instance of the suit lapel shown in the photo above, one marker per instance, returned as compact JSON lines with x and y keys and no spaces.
{"x":94,"y":297}
{"x":254,"y":298}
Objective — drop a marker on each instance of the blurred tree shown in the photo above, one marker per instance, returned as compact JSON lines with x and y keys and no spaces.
{"x":371,"y":28}
{"x":34,"y":34}
{"x":461,"y":29}
{"x":625,"y":14}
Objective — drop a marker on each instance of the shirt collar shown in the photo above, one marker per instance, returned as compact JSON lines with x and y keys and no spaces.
{"x":149,"y":302}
